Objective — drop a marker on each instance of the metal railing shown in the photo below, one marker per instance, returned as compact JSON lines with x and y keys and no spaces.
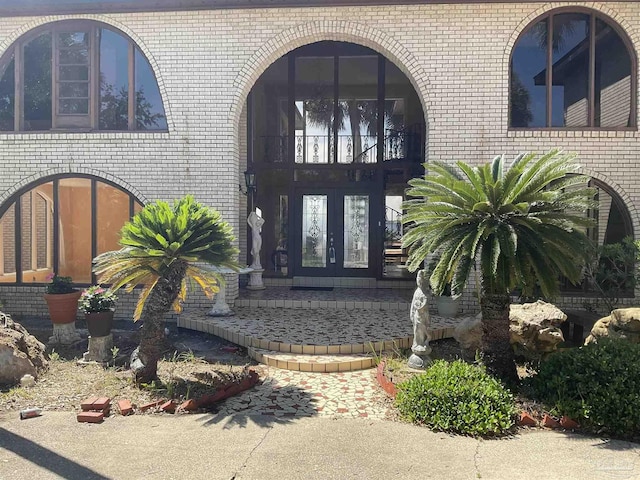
{"x":320,"y":149}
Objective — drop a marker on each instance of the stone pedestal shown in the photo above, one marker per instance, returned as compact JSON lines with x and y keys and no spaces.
{"x":220,"y":307}
{"x":99,"y":349}
{"x":64,"y":334}
{"x":255,"y":280}
{"x":419,"y":359}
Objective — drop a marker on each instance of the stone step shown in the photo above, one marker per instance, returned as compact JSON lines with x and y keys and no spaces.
{"x":325,"y":304}
{"x":312,"y":363}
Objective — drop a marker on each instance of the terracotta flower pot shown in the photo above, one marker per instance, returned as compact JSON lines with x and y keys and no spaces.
{"x":99,"y":323}
{"x":63,"y":307}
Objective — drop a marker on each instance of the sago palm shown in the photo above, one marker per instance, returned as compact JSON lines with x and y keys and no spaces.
{"x":523,"y":225}
{"x":165,"y":247}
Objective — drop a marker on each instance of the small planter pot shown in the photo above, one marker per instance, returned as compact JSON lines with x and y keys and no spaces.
{"x":63,"y":307}
{"x":447,"y":306}
{"x":99,"y":323}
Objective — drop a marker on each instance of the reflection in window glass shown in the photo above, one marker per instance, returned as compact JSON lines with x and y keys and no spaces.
{"x":27,"y":238}
{"x":114,"y":81}
{"x":7,"y":95}
{"x":112,"y":212}
{"x":74,"y":222}
{"x":74,"y":227}
{"x":403,"y":117}
{"x":37,"y":83}
{"x":36,"y":234}
{"x":7,"y":246}
{"x":149,"y":109}
{"x":314,"y":109}
{"x":570,"y":59}
{"x":73,"y":52}
{"x":528,"y":78}
{"x":357,"y":109}
{"x":612,"y":79}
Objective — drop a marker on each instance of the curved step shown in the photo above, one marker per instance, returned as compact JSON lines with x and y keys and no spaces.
{"x":312,"y":363}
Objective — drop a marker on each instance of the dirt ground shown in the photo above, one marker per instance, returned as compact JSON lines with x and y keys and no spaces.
{"x":194,"y":364}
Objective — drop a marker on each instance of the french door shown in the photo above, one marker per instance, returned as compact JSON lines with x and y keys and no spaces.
{"x":334,"y":233}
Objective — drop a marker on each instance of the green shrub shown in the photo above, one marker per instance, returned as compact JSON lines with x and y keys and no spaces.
{"x":457,"y":397}
{"x":598,"y":385}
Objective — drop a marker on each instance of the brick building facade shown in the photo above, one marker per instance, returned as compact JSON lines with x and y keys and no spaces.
{"x":206,"y":61}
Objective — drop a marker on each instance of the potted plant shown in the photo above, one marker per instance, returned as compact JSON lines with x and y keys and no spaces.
{"x":446,"y":303}
{"x":98,"y":305}
{"x":62,"y":299}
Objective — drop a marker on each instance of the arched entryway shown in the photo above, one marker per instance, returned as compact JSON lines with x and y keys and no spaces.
{"x":335,"y":130}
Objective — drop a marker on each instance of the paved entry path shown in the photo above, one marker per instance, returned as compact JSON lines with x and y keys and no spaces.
{"x":285,"y":393}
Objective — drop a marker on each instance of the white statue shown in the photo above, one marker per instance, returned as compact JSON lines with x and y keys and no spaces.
{"x":255,"y":221}
{"x":420,"y":318}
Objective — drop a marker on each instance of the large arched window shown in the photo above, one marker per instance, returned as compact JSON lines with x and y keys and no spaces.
{"x":584,"y":77}
{"x":78,"y":75}
{"x":59,"y":225}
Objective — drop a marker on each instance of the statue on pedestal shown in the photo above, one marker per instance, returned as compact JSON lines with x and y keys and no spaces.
{"x":420,"y":318}
{"x":255,"y":222}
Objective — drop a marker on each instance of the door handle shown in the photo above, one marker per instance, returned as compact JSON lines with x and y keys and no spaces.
{"x":332,"y":250}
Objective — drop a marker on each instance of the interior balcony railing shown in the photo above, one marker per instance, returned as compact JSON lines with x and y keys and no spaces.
{"x":351,"y":149}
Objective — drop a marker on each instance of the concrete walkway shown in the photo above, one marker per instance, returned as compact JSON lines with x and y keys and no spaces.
{"x":267,"y":447}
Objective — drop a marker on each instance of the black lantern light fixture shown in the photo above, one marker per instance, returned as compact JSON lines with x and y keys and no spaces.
{"x":250,"y":180}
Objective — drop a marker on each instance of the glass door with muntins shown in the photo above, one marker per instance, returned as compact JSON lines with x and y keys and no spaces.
{"x":334,"y":233}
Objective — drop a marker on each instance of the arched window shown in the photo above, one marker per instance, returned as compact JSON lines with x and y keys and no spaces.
{"x":59,"y":225}
{"x":78,"y":75}
{"x":584,"y":77}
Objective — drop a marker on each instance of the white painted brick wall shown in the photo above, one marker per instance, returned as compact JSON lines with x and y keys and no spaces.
{"x":207,"y":61}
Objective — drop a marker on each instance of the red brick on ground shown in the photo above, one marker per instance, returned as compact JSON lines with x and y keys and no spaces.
{"x":125,"y":407}
{"x":549,"y":422}
{"x":569,"y":423}
{"x":147,"y":406}
{"x":526,"y":420}
{"x":168,"y":407}
{"x":90,"y":417}
{"x":86,"y":405}
{"x":102,"y":403}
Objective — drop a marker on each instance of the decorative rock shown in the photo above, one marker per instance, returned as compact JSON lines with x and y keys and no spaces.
{"x":27,"y":381}
{"x":419,"y":314}
{"x":535,"y":329}
{"x":623,"y":323}
{"x":468,"y":333}
{"x":99,"y":349}
{"x":64,"y":334}
{"x":20,"y":353}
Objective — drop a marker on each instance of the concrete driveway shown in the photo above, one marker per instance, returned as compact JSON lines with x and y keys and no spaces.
{"x":206,"y":446}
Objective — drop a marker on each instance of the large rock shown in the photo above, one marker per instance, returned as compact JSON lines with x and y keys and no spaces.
{"x":623,"y":323}
{"x":534,"y":329}
{"x":468,"y":333}
{"x":20,"y":352}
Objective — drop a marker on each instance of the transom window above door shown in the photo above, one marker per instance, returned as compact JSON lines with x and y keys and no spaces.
{"x":573,"y":68}
{"x":78,"y":75}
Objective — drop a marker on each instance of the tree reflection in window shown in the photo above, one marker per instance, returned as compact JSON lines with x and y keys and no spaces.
{"x":583,"y":78}
{"x":117,"y":105}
